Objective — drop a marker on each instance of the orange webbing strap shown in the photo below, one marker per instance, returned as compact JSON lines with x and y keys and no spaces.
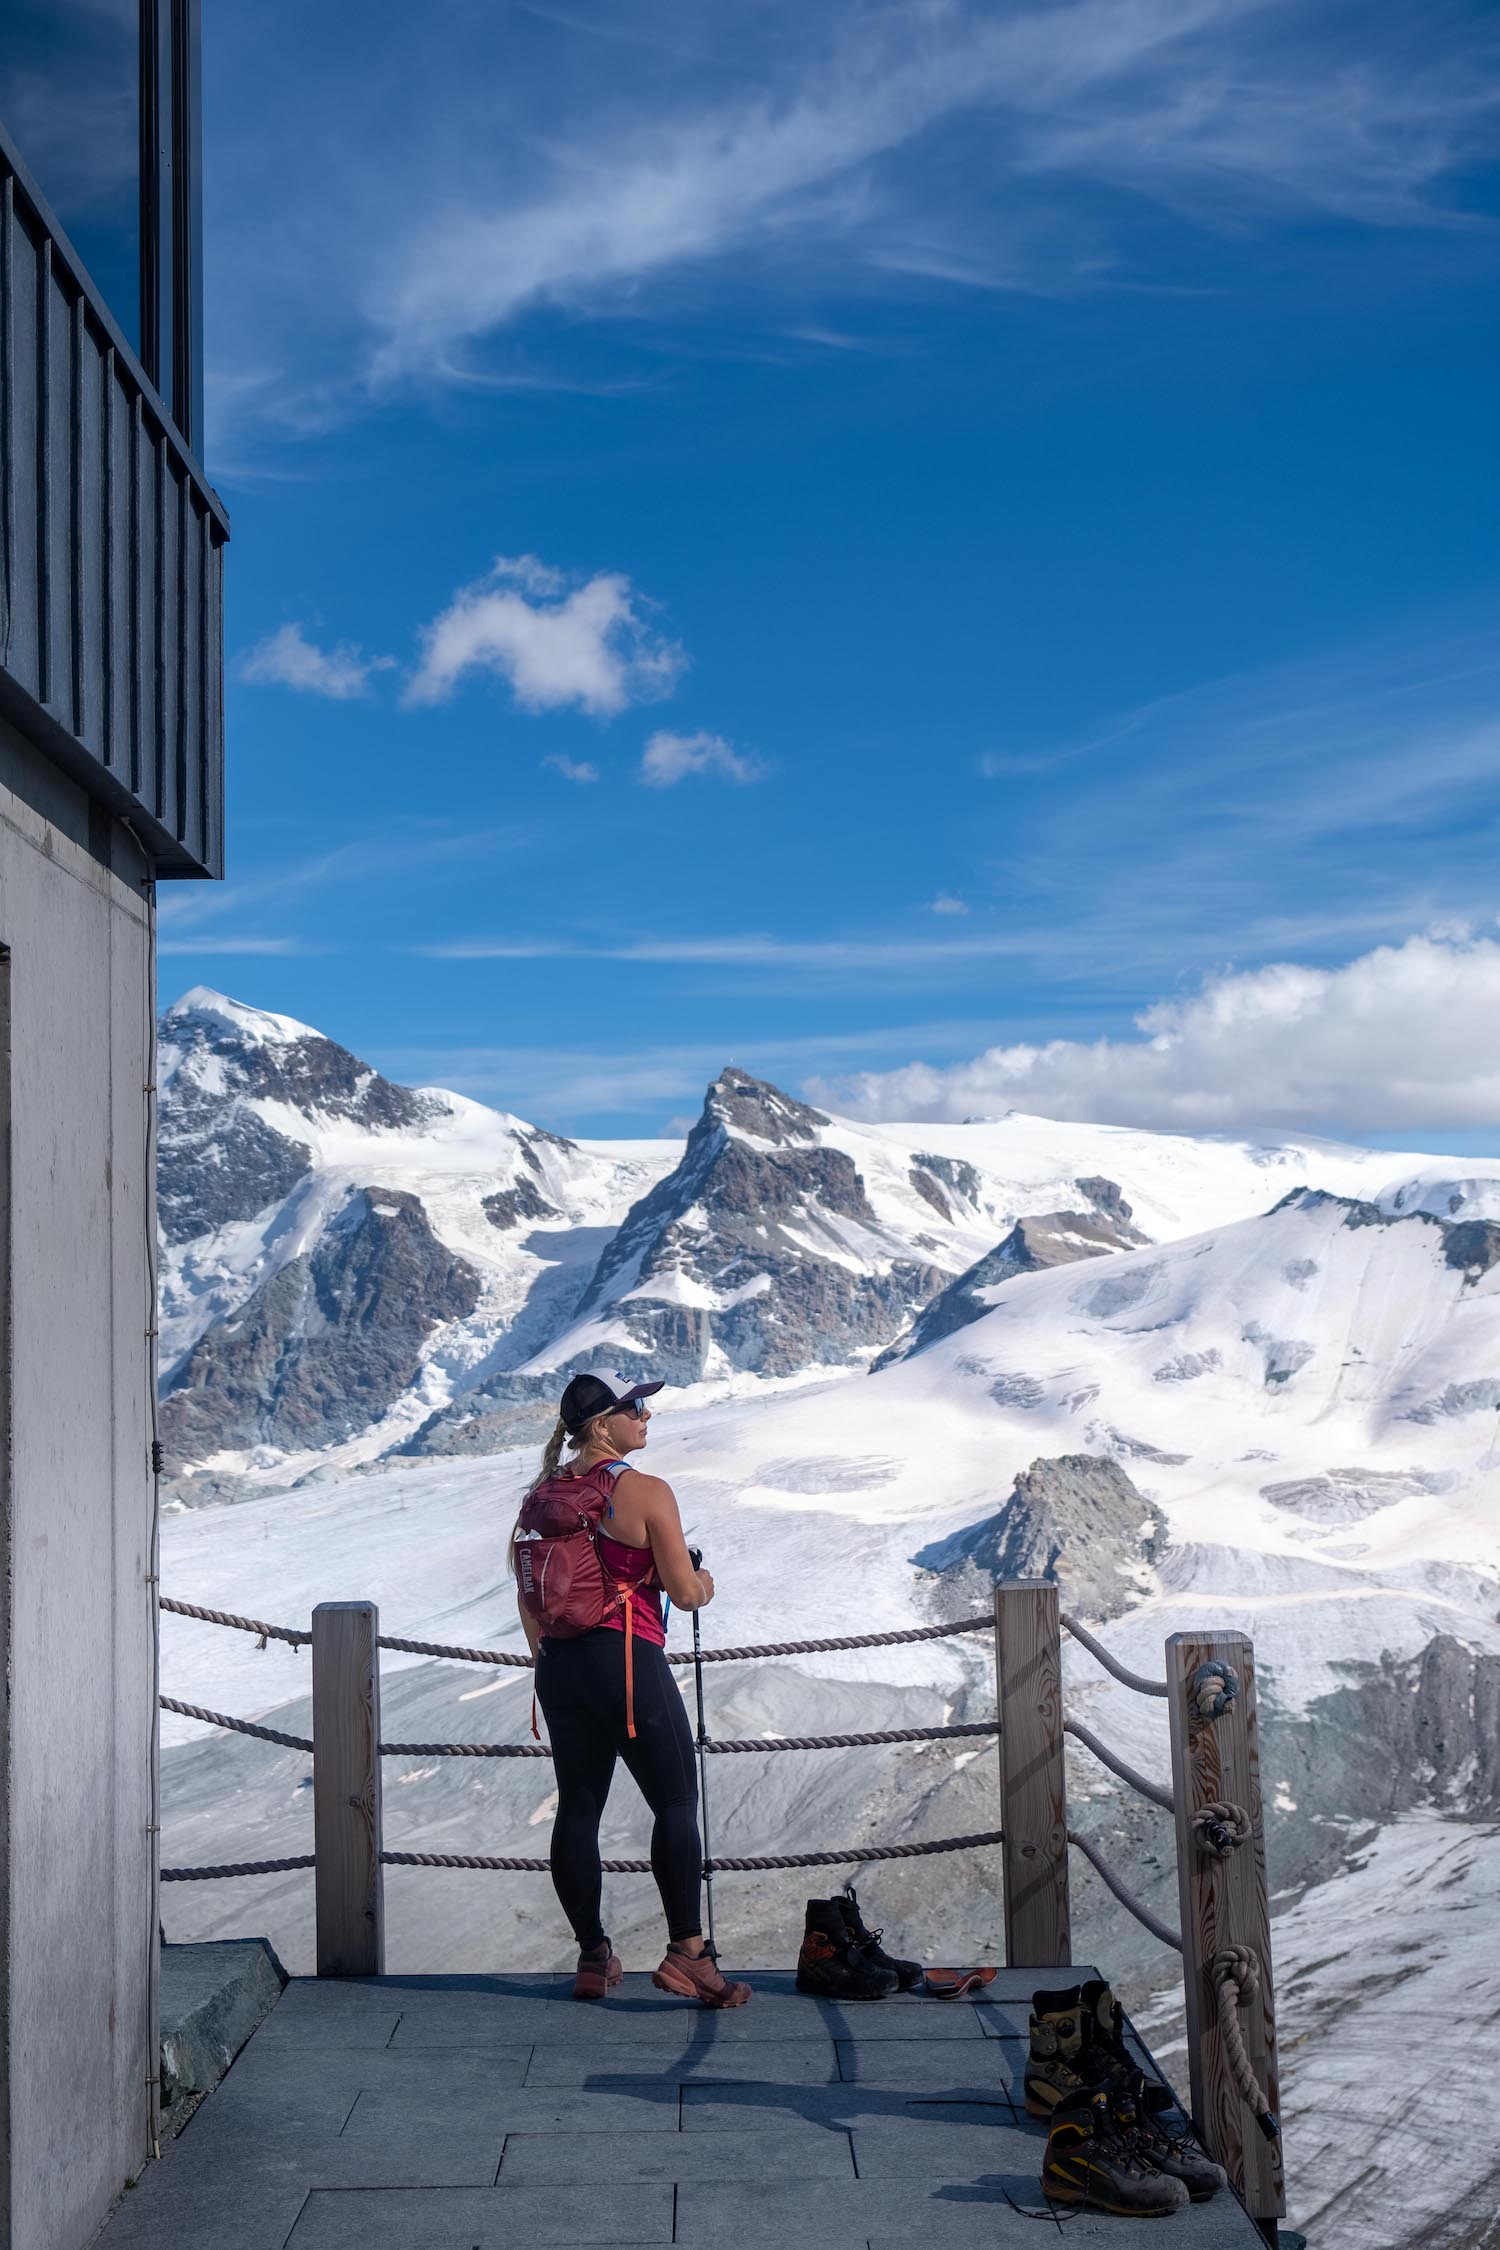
{"x":629,"y":1664}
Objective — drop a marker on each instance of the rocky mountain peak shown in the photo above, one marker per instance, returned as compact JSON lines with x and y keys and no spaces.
{"x":222,"y":1065}
{"x":761,"y":1112}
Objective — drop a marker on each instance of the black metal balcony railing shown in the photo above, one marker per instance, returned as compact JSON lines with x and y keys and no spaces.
{"x":111,"y":551}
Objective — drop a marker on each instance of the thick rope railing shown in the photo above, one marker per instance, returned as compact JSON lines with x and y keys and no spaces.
{"x":1107,"y":1757}
{"x":486,"y":1863}
{"x":722,"y":1748}
{"x":408,"y":1647}
{"x":1097,"y":1650}
{"x":235,"y":1726}
{"x":237,"y":1867}
{"x":1127,"y":1898}
{"x":262,"y":1632}
{"x":851,"y":1855}
{"x":964,"y":1729}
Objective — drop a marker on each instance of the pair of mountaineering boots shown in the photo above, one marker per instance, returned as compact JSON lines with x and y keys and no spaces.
{"x":1079,"y":2071}
{"x":1091,"y":2162}
{"x":843,"y":1960}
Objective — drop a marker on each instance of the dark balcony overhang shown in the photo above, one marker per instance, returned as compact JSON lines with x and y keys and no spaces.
{"x":111,"y":553}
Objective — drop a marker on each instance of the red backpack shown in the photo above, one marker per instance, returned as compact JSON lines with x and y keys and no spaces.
{"x":561,"y":1580}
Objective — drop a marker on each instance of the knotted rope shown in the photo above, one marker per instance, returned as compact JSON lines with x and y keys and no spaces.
{"x":1212,"y":1689}
{"x":1220,"y":1828}
{"x":1235,"y":1974}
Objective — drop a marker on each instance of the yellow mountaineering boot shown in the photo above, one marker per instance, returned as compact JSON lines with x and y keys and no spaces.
{"x":1091,"y":2164}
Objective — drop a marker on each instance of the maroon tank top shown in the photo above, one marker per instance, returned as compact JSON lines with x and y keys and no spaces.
{"x":634,"y":1567}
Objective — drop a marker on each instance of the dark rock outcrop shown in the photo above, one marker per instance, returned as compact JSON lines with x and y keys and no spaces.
{"x":1034,"y":1245}
{"x":1076,"y":1518}
{"x":325,"y":1346}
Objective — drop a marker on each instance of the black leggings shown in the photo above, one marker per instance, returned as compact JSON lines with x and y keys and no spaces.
{"x":580,"y":1685}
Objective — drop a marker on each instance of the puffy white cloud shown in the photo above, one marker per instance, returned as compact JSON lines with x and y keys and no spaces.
{"x":572,"y":769}
{"x":287,"y":658}
{"x":670,"y":758}
{"x":555,"y":641}
{"x":1404,"y":1036}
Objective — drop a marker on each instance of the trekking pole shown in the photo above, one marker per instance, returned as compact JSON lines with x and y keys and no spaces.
{"x":695,"y":1556}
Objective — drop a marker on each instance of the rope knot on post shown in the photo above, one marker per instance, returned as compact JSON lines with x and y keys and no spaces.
{"x":1220,"y":1829}
{"x":1235,"y":1975}
{"x":1213,"y":1688}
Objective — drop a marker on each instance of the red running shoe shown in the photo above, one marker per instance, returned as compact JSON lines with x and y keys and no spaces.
{"x":598,"y":1970}
{"x":695,"y":1976}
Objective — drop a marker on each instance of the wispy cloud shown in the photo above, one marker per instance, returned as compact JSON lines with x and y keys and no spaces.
{"x":226,"y":945}
{"x":670,"y":758}
{"x":853,"y":954}
{"x":946,"y":903}
{"x":287,"y":658}
{"x":1401,"y":1037}
{"x":572,"y":769}
{"x":625,"y":173}
{"x":553,"y":639}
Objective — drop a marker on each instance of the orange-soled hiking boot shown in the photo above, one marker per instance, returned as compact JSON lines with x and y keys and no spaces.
{"x":695,"y":1976}
{"x":599,"y":1969}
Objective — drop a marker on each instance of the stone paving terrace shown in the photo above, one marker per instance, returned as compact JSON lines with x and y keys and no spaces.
{"x":497,"y":2113}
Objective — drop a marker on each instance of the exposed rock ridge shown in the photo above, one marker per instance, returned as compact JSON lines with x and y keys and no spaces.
{"x":1077,"y":1519}
{"x":329,"y":1343}
{"x":1033,"y":1245}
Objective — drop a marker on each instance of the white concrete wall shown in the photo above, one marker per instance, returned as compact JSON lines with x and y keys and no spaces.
{"x":78,"y":1952}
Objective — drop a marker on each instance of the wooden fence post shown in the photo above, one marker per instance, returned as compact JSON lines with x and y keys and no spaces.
{"x":1033,"y":1793}
{"x":348,"y":1879}
{"x":1224,"y":1903}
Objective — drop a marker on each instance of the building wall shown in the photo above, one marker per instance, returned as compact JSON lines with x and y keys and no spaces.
{"x":77,"y":1955}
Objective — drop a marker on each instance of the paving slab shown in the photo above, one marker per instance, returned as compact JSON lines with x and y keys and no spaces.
{"x":748,"y":2157}
{"x":927,"y":2065}
{"x":795,"y":2109}
{"x":293,"y":2069}
{"x":801,"y":2063}
{"x":577,"y":2212}
{"x":645,"y":2105}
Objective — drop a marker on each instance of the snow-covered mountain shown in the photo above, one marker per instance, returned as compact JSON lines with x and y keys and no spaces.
{"x":342,"y":1253}
{"x":353,"y":1267}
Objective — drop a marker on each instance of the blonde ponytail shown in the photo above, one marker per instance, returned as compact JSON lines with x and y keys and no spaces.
{"x":551,"y":1454}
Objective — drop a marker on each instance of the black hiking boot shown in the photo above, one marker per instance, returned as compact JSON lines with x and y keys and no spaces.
{"x":1106,"y":2021}
{"x":1067,"y":2056}
{"x":1176,"y":2154}
{"x":908,"y":1974}
{"x":1089,"y":2162}
{"x":833,"y":1964}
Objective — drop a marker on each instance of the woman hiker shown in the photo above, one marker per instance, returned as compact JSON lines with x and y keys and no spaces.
{"x":603,"y":1680}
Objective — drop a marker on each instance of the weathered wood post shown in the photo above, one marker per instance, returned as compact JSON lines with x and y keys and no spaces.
{"x":1033,"y":1793}
{"x":1224,"y":1904}
{"x":348,"y":1879}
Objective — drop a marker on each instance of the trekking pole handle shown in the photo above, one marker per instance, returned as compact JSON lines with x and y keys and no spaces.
{"x":695,"y":1557}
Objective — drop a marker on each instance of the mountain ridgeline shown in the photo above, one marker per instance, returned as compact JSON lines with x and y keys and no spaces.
{"x":354,"y":1269}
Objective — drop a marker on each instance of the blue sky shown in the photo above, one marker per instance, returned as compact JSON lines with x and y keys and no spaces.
{"x":864,"y":540}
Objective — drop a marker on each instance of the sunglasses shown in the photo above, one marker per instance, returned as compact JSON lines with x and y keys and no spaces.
{"x":635,"y":1408}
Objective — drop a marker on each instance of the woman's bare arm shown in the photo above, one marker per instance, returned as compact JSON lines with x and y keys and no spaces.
{"x":654,"y":1498}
